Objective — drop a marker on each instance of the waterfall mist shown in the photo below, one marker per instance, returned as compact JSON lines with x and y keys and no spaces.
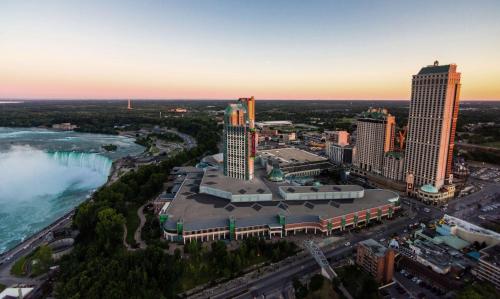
{"x":36,"y":186}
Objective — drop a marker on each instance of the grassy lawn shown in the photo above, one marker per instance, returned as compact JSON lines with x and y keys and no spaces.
{"x":18,"y":267}
{"x":132,"y":222}
{"x":203,"y":277}
{"x":346,"y":120}
{"x":326,"y":292}
{"x":42,"y":258}
{"x":358,"y":283}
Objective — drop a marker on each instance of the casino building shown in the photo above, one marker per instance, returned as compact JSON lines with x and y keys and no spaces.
{"x":247,"y":199}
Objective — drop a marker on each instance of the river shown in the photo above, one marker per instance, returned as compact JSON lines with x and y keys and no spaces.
{"x":46,"y":173}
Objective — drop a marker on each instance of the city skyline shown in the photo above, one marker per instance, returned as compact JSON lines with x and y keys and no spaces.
{"x":218,"y":50}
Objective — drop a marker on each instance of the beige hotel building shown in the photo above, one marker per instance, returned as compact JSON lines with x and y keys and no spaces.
{"x":375,"y":137}
{"x":431,"y":132}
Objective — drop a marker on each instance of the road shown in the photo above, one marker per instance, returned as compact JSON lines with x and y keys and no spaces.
{"x":189,"y":141}
{"x":466,"y":207}
{"x":9,"y":257}
{"x":476,"y":146}
{"x":268,"y":282}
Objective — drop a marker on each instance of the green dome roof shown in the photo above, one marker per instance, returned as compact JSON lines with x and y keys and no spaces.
{"x":276,"y":175}
{"x":429,"y":189}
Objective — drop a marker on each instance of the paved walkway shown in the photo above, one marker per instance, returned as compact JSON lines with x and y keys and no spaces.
{"x":8,"y":279}
{"x":137,"y":233}
{"x":125,"y":244}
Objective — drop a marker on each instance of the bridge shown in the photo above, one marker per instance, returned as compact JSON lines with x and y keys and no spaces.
{"x":326,"y":270}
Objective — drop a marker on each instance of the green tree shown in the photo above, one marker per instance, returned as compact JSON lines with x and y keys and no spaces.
{"x":85,"y":219}
{"x":470,"y":294}
{"x":300,"y":289}
{"x":316,"y":282}
{"x":109,"y":229}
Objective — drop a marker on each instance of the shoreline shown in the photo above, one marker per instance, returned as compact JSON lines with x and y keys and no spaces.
{"x":119,"y":167}
{"x":20,"y":249}
{"x":13,"y":253}
{"x":58,"y":221}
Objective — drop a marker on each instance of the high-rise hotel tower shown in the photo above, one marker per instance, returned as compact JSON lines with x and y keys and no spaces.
{"x":240,"y":139}
{"x":375,"y":137}
{"x":431,"y":127}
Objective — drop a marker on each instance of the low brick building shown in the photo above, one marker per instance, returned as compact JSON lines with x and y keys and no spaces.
{"x":376,"y":259}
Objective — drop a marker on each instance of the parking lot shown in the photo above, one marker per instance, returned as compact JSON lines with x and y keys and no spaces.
{"x":485,"y":173}
{"x":417,"y":286}
{"x":480,"y":208}
{"x":394,"y":291}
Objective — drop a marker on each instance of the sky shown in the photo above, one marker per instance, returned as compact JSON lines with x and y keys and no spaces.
{"x":218,"y":49}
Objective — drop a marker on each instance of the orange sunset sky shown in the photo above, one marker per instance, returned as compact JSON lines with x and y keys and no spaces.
{"x":225,"y":49}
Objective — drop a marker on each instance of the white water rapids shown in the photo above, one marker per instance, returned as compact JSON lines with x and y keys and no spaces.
{"x":36,"y":187}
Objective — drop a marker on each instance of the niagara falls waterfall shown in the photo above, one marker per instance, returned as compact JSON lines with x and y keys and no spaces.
{"x":92,"y":161}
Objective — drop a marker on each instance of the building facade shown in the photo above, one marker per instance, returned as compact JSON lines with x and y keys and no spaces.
{"x":393,"y":166}
{"x":375,"y":137}
{"x":240,"y":139}
{"x":376,"y":259}
{"x":337,"y":137}
{"x":489,"y":265}
{"x":339,"y":154}
{"x":431,"y":126}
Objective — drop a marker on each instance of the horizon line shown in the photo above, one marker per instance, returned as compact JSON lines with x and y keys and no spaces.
{"x":218,"y":99}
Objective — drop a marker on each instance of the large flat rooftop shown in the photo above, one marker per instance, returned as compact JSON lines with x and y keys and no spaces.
{"x":377,"y":248}
{"x":492,"y":255}
{"x":291,"y":155}
{"x":215,"y":179}
{"x":201,"y":211}
{"x":323,"y":188}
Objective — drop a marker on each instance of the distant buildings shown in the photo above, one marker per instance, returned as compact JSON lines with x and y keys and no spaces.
{"x":179,"y":110}
{"x":375,"y":137}
{"x":431,"y":132}
{"x":262,"y":125}
{"x":64,"y":126}
{"x":240,"y":139}
{"x":376,"y":259}
{"x":129,"y":104}
{"x":337,"y":137}
{"x":337,"y":147}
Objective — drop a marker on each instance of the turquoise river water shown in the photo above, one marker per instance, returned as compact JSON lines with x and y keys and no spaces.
{"x":45,"y":173}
